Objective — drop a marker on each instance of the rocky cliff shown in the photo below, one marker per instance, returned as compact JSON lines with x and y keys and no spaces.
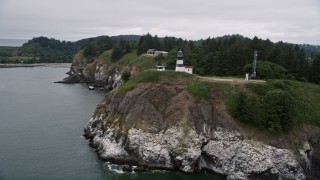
{"x":162,"y":126}
{"x":96,"y":72}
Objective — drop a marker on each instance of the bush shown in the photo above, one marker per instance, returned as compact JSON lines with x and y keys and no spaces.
{"x":90,"y":50}
{"x":243,"y":108}
{"x":125,"y":76}
{"x":199,"y":71}
{"x":117,"y":53}
{"x":278,"y":106}
{"x":268,"y":70}
{"x":278,"y":84}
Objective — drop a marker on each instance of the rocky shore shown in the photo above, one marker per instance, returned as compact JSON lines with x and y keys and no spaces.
{"x":161,"y":126}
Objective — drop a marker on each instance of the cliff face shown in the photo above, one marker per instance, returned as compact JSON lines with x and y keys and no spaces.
{"x":163,"y":126}
{"x":96,"y":72}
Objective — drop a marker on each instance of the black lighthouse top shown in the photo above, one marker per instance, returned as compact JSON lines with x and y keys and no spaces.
{"x":180,"y":55}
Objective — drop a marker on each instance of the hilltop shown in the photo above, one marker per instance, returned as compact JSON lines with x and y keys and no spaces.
{"x":170,"y":120}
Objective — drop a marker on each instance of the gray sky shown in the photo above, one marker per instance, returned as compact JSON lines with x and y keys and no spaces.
{"x":294,"y":21}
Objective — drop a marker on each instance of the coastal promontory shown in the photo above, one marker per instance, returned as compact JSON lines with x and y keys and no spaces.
{"x":175,"y":121}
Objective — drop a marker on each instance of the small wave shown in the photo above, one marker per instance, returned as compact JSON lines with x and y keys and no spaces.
{"x":115,"y":168}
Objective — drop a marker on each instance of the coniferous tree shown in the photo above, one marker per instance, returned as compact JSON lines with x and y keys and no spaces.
{"x":315,"y":69}
{"x":117,"y":53}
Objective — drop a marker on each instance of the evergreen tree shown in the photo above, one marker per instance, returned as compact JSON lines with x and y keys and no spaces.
{"x":315,"y":69}
{"x":117,"y":53}
{"x":90,"y":50}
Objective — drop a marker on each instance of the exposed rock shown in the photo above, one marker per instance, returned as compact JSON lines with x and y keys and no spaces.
{"x":314,"y":156}
{"x":237,"y":176}
{"x":227,"y":135}
{"x":96,"y":73}
{"x":127,"y":168}
{"x":249,"y":158}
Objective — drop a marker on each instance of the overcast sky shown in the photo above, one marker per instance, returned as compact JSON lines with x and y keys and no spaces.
{"x":294,"y":21}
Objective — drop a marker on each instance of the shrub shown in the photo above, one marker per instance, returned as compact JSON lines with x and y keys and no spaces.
{"x":117,"y":53}
{"x":278,"y":84}
{"x":243,"y":108}
{"x":199,"y":71}
{"x":268,"y":70}
{"x":125,"y":76}
{"x":278,"y":106}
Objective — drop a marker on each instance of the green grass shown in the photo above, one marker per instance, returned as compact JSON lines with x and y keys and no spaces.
{"x":154,"y":76}
{"x":144,"y":63}
{"x":20,"y":58}
{"x":127,"y":58}
{"x":106,"y":57}
{"x":200,"y":90}
{"x":151,"y":76}
{"x":307,"y":102}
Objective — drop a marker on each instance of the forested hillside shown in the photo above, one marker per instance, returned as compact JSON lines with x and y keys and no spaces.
{"x":228,"y":56}
{"x":40,"y":50}
{"x":49,"y":50}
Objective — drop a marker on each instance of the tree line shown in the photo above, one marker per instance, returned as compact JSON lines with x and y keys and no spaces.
{"x":49,"y":50}
{"x":94,"y":47}
{"x":229,"y":55}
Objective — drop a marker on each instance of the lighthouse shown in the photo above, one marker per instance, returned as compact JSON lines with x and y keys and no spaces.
{"x":179,"y":66}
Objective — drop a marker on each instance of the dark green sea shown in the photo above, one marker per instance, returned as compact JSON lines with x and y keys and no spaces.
{"x":41,"y":127}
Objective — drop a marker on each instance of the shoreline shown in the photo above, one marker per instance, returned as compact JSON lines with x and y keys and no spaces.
{"x":52,"y":65}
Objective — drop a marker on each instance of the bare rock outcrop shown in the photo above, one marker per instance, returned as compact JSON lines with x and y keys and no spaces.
{"x":250,"y":158}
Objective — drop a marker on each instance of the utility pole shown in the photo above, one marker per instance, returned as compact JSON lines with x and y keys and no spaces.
{"x":254,"y":68}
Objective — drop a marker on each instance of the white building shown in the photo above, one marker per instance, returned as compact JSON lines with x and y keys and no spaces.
{"x":154,"y":53}
{"x":180,"y":67}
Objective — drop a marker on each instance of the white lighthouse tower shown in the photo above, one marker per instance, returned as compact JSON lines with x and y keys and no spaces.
{"x":179,"y":66}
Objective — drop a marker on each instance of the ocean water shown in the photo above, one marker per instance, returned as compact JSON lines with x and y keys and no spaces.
{"x":12,"y":42}
{"x":41,"y":127}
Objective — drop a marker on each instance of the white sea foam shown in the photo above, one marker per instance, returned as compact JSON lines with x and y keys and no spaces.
{"x":115,"y":168}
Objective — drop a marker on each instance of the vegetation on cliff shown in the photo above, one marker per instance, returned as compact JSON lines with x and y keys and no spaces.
{"x":152,"y":76}
{"x":276,"y":106}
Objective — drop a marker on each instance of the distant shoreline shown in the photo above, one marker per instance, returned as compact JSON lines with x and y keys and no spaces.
{"x":53,"y":65}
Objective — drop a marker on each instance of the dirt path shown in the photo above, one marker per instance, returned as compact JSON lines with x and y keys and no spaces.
{"x":231,"y":80}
